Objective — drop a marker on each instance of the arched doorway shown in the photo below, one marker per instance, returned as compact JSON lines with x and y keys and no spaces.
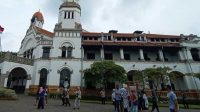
{"x":65,"y":78}
{"x":17,"y":80}
{"x":43,"y":77}
{"x":135,"y":78}
{"x":177,"y":80}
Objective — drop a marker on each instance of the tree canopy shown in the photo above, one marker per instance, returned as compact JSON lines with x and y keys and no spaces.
{"x":105,"y":72}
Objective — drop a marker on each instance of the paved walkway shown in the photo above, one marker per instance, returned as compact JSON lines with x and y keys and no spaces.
{"x":26,"y":104}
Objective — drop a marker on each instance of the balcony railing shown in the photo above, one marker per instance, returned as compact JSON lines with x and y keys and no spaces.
{"x":13,"y":58}
{"x":45,"y":42}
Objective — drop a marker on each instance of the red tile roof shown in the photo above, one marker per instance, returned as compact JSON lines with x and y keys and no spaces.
{"x":44,"y":32}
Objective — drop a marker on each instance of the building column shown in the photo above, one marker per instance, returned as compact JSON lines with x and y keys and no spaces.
{"x":161,"y":56}
{"x":121,"y":53}
{"x":141,"y":54}
{"x":181,"y":55}
{"x":3,"y":80}
{"x":188,"y":55}
{"x":82,"y":53}
{"x":199,"y":53}
{"x":102,"y":53}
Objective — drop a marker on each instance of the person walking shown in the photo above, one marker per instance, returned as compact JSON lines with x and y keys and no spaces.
{"x":145,"y":106}
{"x":41,"y":98}
{"x":173,"y":103}
{"x":77,"y":99}
{"x":184,"y":101}
{"x":154,"y":101}
{"x":103,"y":96}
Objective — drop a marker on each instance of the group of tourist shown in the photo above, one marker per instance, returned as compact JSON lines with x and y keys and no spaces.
{"x":41,"y":98}
{"x":130,"y":100}
{"x":124,"y":99}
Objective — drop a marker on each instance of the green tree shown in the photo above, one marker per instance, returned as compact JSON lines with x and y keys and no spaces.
{"x":154,"y":74}
{"x":104,"y":72}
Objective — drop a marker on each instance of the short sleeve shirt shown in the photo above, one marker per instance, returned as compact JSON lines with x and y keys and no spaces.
{"x":172,"y":97}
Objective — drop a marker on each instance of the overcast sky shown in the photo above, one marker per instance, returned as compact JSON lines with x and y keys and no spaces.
{"x":157,"y":16}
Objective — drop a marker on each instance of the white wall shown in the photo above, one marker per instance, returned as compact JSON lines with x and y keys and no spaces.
{"x":73,"y":64}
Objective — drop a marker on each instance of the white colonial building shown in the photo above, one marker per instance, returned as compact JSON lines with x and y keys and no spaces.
{"x":51,"y":58}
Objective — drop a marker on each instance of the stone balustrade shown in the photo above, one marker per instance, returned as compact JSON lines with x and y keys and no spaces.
{"x":45,"y":42}
{"x":8,"y":56}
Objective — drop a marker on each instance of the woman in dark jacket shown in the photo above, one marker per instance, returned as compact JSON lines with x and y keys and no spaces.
{"x":41,"y":98}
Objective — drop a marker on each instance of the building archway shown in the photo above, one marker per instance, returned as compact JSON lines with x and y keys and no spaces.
{"x":43,"y":77}
{"x":135,"y":78}
{"x":177,"y":80}
{"x":65,"y":78}
{"x":17,"y":80}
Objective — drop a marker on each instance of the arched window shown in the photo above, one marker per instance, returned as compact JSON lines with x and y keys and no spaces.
{"x":69,"y":52}
{"x":65,"y":78}
{"x":43,"y":77}
{"x":64,"y":51}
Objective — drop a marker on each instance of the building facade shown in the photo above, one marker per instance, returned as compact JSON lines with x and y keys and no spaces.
{"x":53,"y":58}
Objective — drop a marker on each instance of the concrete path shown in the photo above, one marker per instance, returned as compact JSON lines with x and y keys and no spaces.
{"x":26,"y":104}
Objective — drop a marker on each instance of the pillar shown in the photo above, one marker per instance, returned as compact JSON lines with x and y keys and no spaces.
{"x":141,"y":54}
{"x":161,"y":56}
{"x":188,"y":54}
{"x":181,"y":55}
{"x":102,"y":53}
{"x":121,"y":53}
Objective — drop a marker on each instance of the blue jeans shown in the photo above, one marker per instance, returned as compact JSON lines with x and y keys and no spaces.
{"x":134,"y":108}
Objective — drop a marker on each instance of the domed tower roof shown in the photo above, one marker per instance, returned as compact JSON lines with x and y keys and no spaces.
{"x":39,"y":16}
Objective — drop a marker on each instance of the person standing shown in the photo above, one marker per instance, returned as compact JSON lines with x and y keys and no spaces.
{"x":113,"y":99}
{"x":118,"y":99}
{"x":67,"y":98}
{"x":64,"y":96}
{"x":41,"y":98}
{"x":103,"y":96}
{"x":154,"y":101}
{"x":173,"y":103}
{"x":125,"y":95}
{"x":134,"y":101}
{"x":77,"y":99}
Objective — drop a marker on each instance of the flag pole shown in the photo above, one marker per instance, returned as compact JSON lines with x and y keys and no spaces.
{"x":1,"y":31}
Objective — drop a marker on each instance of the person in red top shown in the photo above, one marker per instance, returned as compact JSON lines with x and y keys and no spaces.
{"x":134,"y":102}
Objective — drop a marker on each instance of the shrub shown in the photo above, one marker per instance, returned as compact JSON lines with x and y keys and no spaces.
{"x":7,"y":94}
